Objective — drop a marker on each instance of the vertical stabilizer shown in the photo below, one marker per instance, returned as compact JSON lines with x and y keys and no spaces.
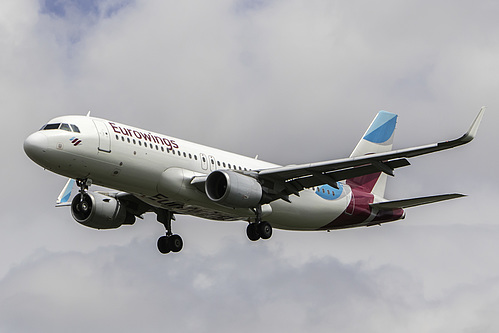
{"x":377,"y":139}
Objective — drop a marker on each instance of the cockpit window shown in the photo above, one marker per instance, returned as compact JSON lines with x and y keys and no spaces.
{"x":65,"y":127}
{"x":51,"y":126}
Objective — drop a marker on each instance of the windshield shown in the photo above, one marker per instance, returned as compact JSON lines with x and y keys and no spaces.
{"x":62,"y":126}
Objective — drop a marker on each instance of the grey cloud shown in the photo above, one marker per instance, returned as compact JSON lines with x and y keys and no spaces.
{"x":238,"y":288}
{"x":294,"y":82}
{"x":118,"y":289}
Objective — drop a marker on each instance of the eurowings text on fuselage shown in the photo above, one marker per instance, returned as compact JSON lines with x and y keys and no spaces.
{"x":152,"y":172}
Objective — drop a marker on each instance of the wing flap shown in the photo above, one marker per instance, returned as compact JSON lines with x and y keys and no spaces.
{"x":413,"y":202}
{"x":347,"y":173}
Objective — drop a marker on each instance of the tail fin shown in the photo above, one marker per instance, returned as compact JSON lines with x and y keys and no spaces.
{"x":377,"y":139}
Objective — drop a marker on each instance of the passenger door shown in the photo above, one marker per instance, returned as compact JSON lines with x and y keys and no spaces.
{"x":104,"y":137}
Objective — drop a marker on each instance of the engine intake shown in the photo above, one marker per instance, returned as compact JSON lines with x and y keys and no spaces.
{"x":100,"y":211}
{"x":233,"y":189}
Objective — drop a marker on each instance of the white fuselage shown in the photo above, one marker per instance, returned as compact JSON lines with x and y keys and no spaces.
{"x":158,"y":170}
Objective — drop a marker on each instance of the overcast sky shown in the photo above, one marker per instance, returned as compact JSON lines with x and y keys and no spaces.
{"x":293,"y":81}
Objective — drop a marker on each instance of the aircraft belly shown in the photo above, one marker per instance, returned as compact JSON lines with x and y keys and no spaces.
{"x":207,"y":210}
{"x":306,"y":212}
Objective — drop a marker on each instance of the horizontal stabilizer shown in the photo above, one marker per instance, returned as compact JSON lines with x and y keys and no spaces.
{"x":406,"y":203}
{"x":64,"y":198}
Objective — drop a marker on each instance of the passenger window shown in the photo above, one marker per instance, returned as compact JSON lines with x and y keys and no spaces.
{"x":75,"y":128}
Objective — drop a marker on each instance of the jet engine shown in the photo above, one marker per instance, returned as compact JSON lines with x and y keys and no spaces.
{"x":100,"y":211}
{"x":233,"y":189}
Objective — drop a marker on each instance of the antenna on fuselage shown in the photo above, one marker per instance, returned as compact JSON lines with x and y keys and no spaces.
{"x":88,"y":114}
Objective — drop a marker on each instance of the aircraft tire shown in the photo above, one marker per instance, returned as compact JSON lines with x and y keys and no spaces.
{"x":264,"y":230}
{"x":164,"y":244}
{"x":176,"y":243}
{"x":252,"y":232}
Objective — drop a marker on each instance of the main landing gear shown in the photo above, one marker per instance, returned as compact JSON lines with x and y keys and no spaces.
{"x":259,"y":229}
{"x":169,"y":242}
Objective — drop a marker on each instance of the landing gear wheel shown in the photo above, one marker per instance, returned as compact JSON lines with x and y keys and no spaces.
{"x":170,"y":242}
{"x":176,"y":243}
{"x":164,"y":244}
{"x":264,"y":230}
{"x":173,"y":243}
{"x":252,"y":232}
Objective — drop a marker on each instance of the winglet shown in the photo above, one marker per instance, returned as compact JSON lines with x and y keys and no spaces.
{"x":63,"y":198}
{"x":470,"y":135}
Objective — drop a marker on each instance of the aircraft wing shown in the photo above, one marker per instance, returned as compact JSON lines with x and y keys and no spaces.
{"x":293,"y":178}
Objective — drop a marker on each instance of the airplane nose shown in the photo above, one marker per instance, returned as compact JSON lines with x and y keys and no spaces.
{"x":35,"y":146}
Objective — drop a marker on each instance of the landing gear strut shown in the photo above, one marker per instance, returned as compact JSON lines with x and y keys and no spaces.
{"x":169,"y":242}
{"x":259,"y":229}
{"x":84,"y":207}
{"x":83,"y":184}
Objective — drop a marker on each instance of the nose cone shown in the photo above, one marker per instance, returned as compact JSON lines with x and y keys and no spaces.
{"x":35,"y":146}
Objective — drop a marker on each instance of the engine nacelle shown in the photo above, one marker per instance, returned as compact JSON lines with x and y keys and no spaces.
{"x":100,"y":211}
{"x":233,"y":189}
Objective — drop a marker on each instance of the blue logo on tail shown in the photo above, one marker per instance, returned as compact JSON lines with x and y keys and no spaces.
{"x":382,"y":128}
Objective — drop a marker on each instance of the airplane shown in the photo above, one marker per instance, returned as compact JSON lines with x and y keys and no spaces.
{"x":152,"y":172}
